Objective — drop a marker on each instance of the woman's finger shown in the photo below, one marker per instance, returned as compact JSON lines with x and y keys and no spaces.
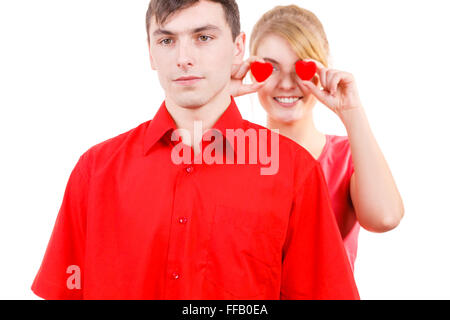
{"x":329,"y":74}
{"x":323,"y":77}
{"x":334,"y":82}
{"x":250,"y":88}
{"x":234,"y":69}
{"x":243,"y":70}
{"x":305,"y":90}
{"x":318,"y":93}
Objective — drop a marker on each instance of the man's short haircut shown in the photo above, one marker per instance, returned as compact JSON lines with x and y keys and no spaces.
{"x":163,"y":9}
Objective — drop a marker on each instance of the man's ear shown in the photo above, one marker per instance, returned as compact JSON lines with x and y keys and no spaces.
{"x":239,"y":48}
{"x":152,"y":63}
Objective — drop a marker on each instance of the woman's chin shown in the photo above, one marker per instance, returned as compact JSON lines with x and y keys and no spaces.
{"x":286,"y":116}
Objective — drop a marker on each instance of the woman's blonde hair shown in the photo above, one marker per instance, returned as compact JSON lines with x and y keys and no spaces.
{"x":300,"y":27}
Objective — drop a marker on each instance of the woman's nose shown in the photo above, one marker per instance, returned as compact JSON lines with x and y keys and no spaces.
{"x":287,"y":82}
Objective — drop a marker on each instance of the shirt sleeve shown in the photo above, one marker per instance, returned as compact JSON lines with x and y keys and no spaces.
{"x":60,"y":274}
{"x":315,"y":265}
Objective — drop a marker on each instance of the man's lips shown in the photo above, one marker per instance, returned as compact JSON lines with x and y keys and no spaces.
{"x":188,"y":80}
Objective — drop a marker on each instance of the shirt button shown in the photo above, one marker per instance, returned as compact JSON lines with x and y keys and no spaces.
{"x":175,"y":276}
{"x":189,"y":169}
{"x":182,"y":220}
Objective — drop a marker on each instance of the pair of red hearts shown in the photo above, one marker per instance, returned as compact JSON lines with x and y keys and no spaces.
{"x":305,"y":70}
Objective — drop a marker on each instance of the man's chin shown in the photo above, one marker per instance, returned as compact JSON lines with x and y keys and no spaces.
{"x":190,"y":101}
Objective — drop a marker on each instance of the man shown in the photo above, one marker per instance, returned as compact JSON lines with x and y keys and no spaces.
{"x":137,"y":223}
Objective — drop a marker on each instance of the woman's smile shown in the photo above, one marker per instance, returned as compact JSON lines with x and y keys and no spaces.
{"x":287,"y":102}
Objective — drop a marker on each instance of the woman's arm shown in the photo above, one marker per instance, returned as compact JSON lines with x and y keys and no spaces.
{"x":377,"y":201}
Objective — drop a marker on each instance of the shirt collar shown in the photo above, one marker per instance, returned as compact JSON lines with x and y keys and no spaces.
{"x":162,"y":122}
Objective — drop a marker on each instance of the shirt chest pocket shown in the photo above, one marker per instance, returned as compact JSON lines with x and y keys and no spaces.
{"x":244,"y":252}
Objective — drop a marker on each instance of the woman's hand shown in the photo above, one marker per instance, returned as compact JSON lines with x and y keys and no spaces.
{"x":238,"y":73}
{"x":339,"y":93}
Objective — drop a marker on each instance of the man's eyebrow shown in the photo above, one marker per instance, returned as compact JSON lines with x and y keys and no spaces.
{"x":159,"y":32}
{"x":208,"y":27}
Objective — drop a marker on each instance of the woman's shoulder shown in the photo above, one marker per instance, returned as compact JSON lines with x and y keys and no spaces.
{"x":338,"y":140}
{"x":337,"y":145}
{"x":336,"y":154}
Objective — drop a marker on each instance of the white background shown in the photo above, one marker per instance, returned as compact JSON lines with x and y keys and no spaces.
{"x":75,"y":73}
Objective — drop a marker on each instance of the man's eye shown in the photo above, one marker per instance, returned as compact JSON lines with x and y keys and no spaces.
{"x":166,"y":41}
{"x":204,"y":38}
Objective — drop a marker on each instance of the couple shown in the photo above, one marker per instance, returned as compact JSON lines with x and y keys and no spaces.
{"x":135,"y":225}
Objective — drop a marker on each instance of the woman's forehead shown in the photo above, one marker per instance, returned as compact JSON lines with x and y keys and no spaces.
{"x":277,"y":49}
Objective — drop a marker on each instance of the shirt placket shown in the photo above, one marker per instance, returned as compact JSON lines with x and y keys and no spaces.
{"x":183,"y":203}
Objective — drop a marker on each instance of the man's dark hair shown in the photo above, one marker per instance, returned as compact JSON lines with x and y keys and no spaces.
{"x":163,"y":9}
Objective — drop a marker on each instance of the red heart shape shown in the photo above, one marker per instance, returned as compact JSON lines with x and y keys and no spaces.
{"x":261,"y":71}
{"x":305,"y":70}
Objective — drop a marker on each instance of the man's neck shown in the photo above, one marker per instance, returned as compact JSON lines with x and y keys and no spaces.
{"x":208,"y":114}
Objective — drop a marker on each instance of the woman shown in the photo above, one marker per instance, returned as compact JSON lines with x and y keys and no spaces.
{"x":362,"y":189}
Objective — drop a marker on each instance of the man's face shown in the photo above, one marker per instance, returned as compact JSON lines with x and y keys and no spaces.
{"x":193,"y":53}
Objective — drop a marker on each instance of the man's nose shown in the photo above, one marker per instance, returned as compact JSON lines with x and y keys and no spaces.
{"x":184,"y":55}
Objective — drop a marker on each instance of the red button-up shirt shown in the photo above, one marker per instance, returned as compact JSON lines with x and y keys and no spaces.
{"x":135,"y":225}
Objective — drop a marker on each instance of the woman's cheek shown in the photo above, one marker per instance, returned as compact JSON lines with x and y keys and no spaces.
{"x":265,"y":99}
{"x":266,"y":92}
